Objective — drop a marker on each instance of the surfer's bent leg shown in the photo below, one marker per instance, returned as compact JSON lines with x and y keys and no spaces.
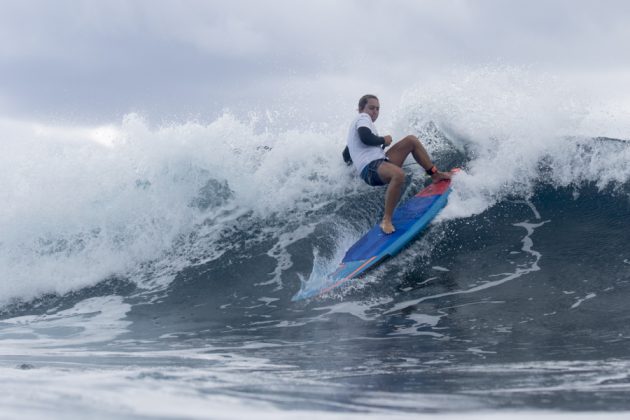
{"x":394,"y":176}
{"x":411,"y":145}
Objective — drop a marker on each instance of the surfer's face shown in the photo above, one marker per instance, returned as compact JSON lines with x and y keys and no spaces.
{"x":372,"y":108}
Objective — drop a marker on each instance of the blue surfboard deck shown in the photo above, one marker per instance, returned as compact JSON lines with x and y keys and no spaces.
{"x":409,"y":218}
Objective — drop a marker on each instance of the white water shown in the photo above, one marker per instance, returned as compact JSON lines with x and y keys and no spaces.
{"x":85,"y":203}
{"x":514,"y":122}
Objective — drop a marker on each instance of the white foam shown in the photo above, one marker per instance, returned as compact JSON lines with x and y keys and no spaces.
{"x":366,"y":311}
{"x":93,"y":320}
{"x":418,"y":321}
{"x":83,"y":204}
{"x":280,"y":254}
{"x":179,"y":392}
{"x":513,"y":122}
{"x":582,"y":300}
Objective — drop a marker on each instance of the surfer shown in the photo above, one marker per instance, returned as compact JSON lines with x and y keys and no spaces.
{"x":365,"y":150}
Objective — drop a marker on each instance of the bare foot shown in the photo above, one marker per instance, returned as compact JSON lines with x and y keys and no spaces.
{"x":387,"y":227}
{"x":438,"y":176}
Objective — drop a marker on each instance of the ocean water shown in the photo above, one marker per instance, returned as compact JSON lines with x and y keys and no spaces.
{"x":147,"y":271}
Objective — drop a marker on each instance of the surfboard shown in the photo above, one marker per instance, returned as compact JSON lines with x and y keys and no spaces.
{"x":409,"y":218}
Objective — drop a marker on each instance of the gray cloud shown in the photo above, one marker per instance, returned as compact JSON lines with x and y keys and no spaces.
{"x":99,"y":60}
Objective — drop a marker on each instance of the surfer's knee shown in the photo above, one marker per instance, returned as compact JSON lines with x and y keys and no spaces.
{"x":417,"y":144}
{"x":411,"y":142}
{"x":411,"y":139}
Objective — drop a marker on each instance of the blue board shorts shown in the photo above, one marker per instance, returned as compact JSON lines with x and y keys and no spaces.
{"x":370,"y":173}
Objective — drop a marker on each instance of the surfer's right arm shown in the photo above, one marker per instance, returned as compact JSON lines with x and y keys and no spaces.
{"x":370,"y":139}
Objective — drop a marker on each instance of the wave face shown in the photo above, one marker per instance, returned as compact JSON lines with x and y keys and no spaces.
{"x":177,"y":249}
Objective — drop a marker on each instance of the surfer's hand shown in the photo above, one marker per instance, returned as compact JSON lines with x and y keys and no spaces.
{"x":388,"y":140}
{"x":438,"y":176}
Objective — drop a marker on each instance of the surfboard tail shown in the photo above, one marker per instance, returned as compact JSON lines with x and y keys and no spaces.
{"x":346,"y":272}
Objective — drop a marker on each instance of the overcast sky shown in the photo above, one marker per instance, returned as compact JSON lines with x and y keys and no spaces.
{"x":94,"y":61}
